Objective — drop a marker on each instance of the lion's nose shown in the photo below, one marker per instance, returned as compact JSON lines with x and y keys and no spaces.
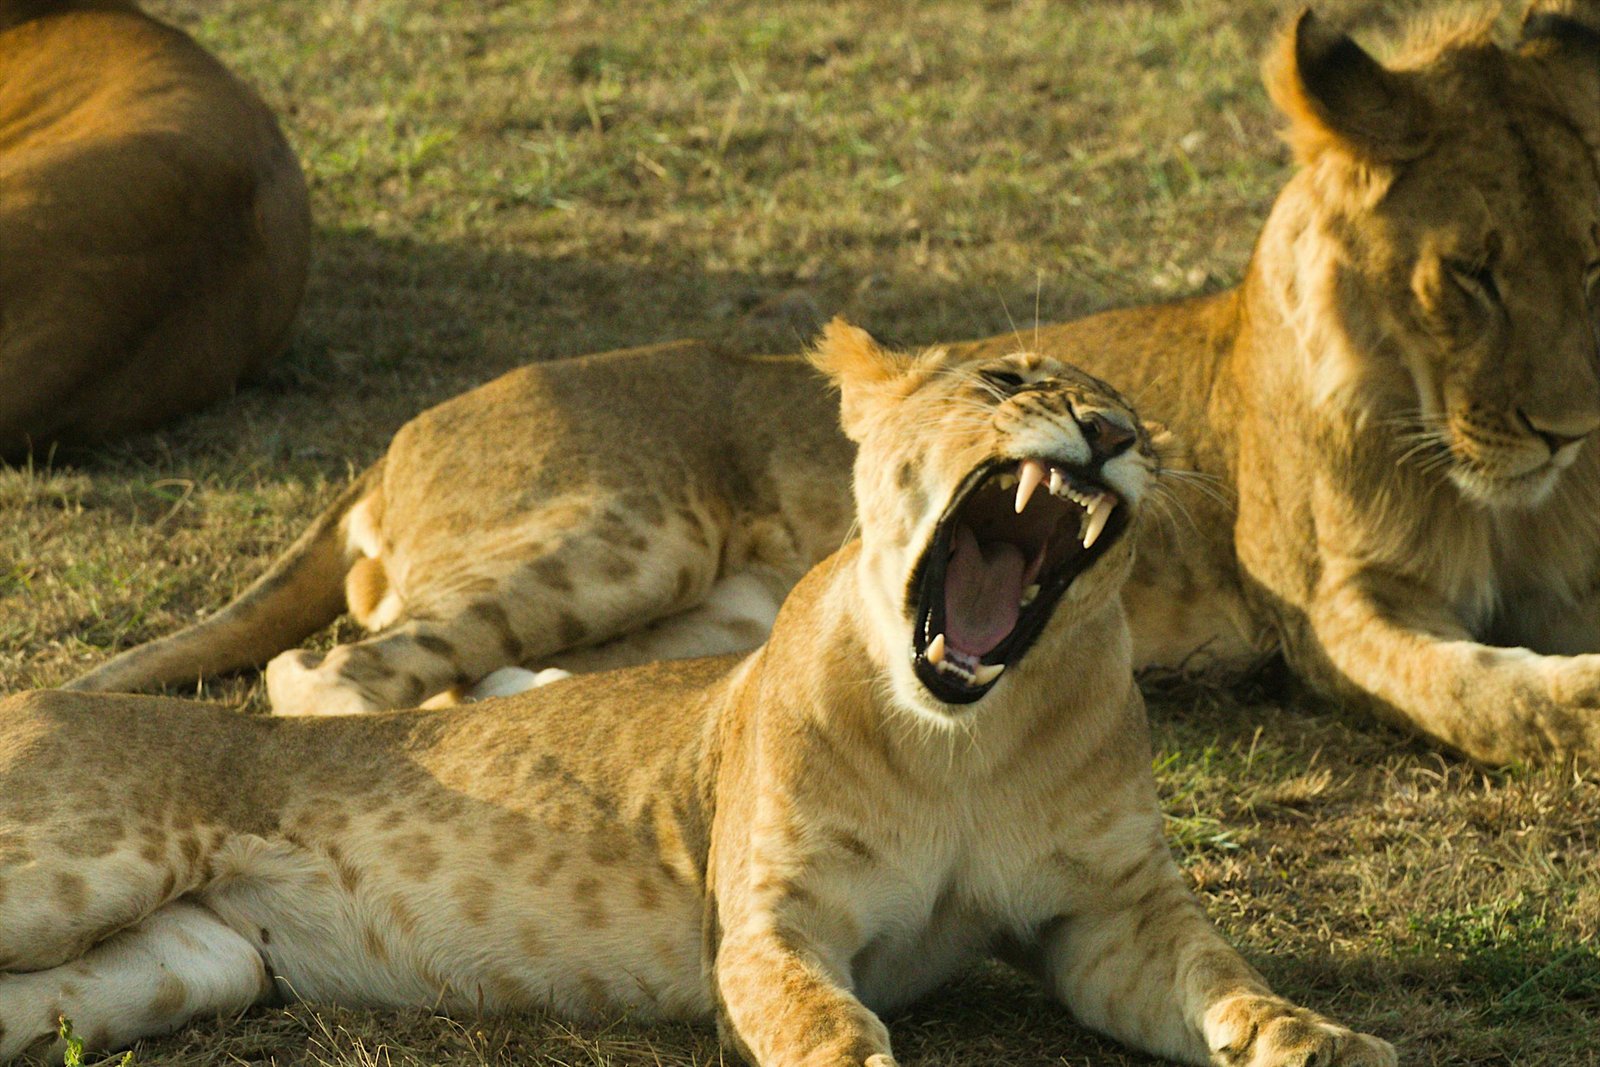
{"x":1558,"y":433}
{"x":1106,"y":434}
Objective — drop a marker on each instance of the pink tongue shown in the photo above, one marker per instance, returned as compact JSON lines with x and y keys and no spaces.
{"x":982,"y":585}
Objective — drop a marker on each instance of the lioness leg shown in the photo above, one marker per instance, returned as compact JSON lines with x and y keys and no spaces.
{"x":1421,"y":668}
{"x":177,"y":963}
{"x":1146,"y":967}
{"x":783,"y":1003}
{"x":736,"y":616}
{"x":590,"y":585}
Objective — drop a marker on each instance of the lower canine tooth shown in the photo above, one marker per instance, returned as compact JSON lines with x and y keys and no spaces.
{"x":984,"y":673}
{"x":935,"y":652}
{"x":1099,"y":514}
{"x":1028,"y":595}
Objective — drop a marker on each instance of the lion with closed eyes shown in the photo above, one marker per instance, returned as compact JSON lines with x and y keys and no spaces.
{"x":1394,"y":407}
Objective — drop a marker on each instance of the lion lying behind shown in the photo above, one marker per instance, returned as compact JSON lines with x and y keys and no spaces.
{"x":154,"y":224}
{"x":893,"y":787}
{"x":1390,"y":420}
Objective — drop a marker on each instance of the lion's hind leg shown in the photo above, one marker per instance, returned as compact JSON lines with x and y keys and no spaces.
{"x":177,"y":963}
{"x":550,"y":589}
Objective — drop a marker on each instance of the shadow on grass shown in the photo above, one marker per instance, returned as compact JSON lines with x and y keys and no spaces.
{"x":391,"y":326}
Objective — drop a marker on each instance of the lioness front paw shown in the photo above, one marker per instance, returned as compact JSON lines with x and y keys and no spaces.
{"x":1256,"y":1031}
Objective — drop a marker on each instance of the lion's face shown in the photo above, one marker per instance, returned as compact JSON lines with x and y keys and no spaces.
{"x":995,"y":500}
{"x":1465,"y":234}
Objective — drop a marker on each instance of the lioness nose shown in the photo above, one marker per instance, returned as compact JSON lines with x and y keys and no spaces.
{"x":1106,"y":435}
{"x":1558,"y":434}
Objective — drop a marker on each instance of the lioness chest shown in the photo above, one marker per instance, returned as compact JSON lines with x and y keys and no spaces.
{"x":934,"y":915}
{"x":926,"y":886}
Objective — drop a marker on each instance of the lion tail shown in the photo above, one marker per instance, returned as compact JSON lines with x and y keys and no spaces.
{"x":303,"y":591}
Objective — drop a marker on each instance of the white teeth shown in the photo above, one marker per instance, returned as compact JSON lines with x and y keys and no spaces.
{"x":935,"y":652}
{"x":1030,"y":472}
{"x":984,"y":673}
{"x":1055,"y":481}
{"x":1029,"y":594}
{"x":1099,"y":513}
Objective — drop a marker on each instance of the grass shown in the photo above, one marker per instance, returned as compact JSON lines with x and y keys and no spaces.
{"x":501,"y":182}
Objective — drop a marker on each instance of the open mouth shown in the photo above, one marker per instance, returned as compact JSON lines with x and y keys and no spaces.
{"x":1001,"y":556}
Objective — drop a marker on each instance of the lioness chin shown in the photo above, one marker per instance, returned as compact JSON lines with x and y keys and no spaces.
{"x":894,"y":786}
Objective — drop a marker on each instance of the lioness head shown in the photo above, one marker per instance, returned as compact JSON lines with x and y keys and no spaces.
{"x":1443,"y":238}
{"x":989,"y":493}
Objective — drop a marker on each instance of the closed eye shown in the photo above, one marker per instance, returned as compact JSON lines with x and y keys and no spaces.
{"x":1477,"y":279}
{"x":1003,"y":380}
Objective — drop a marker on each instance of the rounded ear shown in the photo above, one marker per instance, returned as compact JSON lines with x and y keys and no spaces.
{"x":1566,"y":34}
{"x":1337,"y":97}
{"x":1570,"y":23}
{"x":859,"y":367}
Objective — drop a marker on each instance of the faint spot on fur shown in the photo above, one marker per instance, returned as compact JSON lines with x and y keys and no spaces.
{"x":372,"y":941}
{"x":473,"y":895}
{"x":686,"y":584}
{"x":436,"y":645}
{"x":494,"y":616}
{"x":586,"y":896}
{"x":570,"y":629}
{"x":552,"y":572}
{"x":544,"y":872}
{"x":852,"y":845}
{"x":607,"y":846}
{"x":72,"y":891}
{"x":171,"y":992}
{"x":415,"y":857}
{"x":646,"y":507}
{"x":595,"y":993}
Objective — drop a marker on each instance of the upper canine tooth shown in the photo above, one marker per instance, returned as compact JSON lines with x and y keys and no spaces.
{"x":1030,"y":472}
{"x":1099,"y":513}
{"x":935,"y":651}
{"x":984,"y":673}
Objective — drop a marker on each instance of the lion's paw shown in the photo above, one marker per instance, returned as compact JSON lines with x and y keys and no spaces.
{"x":1255,"y":1031}
{"x":301,"y":683}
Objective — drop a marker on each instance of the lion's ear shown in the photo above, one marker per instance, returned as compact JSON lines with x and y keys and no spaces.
{"x":1566,"y":34}
{"x":1337,"y":97}
{"x":860,"y":367}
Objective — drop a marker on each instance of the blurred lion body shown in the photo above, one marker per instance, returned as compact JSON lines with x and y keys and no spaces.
{"x":155,"y":224}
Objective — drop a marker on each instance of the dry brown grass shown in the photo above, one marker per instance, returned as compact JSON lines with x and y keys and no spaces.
{"x":503,"y":182}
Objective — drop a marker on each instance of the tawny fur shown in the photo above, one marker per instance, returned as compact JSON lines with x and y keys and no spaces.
{"x":1389,"y":418}
{"x":154,"y":222}
{"x":793,"y":842}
